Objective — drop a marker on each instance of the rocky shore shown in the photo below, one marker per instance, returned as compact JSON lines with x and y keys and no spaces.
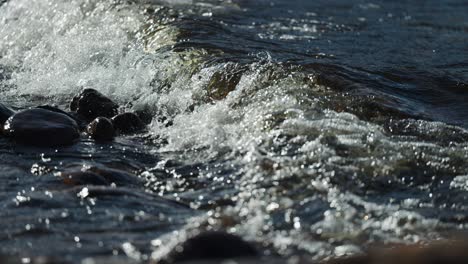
{"x":94,"y":116}
{"x":91,"y":115}
{"x":220,"y":248}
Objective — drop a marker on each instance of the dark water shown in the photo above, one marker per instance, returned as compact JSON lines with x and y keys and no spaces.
{"x":312,"y":128}
{"x":411,"y":54}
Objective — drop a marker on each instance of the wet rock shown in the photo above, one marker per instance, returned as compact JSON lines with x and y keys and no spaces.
{"x":428,"y":131}
{"x":42,"y":127}
{"x":99,"y":175}
{"x":438,"y":253}
{"x":72,"y":115}
{"x":82,"y":123}
{"x":211,"y":246}
{"x":91,"y":104}
{"x":31,"y":260}
{"x":165,"y":121}
{"x":127,"y":123}
{"x":368,"y":108}
{"x":54,"y":109}
{"x":224,"y":81}
{"x":78,"y":177}
{"x":145,"y":116}
{"x":101,"y":129}
{"x":5,"y":113}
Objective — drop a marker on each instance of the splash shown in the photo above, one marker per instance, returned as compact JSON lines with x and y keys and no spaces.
{"x":262,"y":148}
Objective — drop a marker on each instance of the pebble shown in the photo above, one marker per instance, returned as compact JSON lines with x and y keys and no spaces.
{"x":101,"y":129}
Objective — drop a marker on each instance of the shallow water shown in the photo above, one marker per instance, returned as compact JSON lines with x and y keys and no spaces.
{"x":313,"y":128}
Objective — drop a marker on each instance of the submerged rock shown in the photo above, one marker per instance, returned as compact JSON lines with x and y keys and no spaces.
{"x":224,"y":81}
{"x":211,"y":246}
{"x":436,"y":132}
{"x":91,"y":104}
{"x":42,"y":127}
{"x":145,"y":116}
{"x":454,"y":252}
{"x":97,"y":175}
{"x":31,"y":260}
{"x":101,"y":129}
{"x":127,"y":123}
{"x":5,"y":113}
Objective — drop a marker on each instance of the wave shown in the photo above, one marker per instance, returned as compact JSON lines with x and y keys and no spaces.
{"x":299,"y":156}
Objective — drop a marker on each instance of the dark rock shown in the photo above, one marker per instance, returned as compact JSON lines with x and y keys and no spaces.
{"x":145,"y":116}
{"x":41,"y":127}
{"x":101,"y":129}
{"x":5,"y":113}
{"x":127,"y":123}
{"x":428,"y":131}
{"x":72,"y":115}
{"x":81,"y":122}
{"x":31,"y":260}
{"x":54,"y":109}
{"x":367,"y":108}
{"x":79,"y":177}
{"x":224,"y":81}
{"x":453,"y":252}
{"x":97,"y":175}
{"x":166,"y":121}
{"x":211,"y":246}
{"x":91,"y":104}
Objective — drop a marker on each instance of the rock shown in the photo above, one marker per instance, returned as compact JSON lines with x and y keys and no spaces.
{"x":453,"y":252}
{"x":72,"y":115}
{"x":54,"y":109}
{"x":127,"y":123}
{"x":42,"y":127}
{"x":83,"y":124}
{"x":166,"y":121}
{"x":97,"y":175}
{"x":436,"y":132}
{"x":224,"y":81}
{"x":32,"y":260}
{"x":91,"y":104}
{"x":79,"y":177}
{"x":101,"y":129}
{"x":211,"y":246}
{"x":145,"y":116}
{"x":5,"y":113}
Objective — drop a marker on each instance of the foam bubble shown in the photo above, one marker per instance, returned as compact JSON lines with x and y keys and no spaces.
{"x":71,"y":45}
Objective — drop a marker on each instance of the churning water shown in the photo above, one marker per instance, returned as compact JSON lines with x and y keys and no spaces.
{"x":314,"y":128}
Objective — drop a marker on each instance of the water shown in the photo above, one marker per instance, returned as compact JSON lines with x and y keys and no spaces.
{"x":314,"y":128}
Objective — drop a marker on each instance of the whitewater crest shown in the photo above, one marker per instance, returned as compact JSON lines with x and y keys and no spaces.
{"x":255,"y":146}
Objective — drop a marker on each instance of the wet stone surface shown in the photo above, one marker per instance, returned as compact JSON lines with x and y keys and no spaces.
{"x":5,"y":113}
{"x":97,"y":174}
{"x":91,"y":104}
{"x":211,"y":246}
{"x":41,"y":127}
{"x":127,"y":123}
{"x":101,"y":129}
{"x":73,"y":115}
{"x":428,"y":131}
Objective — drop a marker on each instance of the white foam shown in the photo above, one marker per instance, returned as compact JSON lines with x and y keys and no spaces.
{"x":58,"y":47}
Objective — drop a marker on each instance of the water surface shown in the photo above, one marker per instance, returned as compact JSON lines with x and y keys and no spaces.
{"x":314,"y":128}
